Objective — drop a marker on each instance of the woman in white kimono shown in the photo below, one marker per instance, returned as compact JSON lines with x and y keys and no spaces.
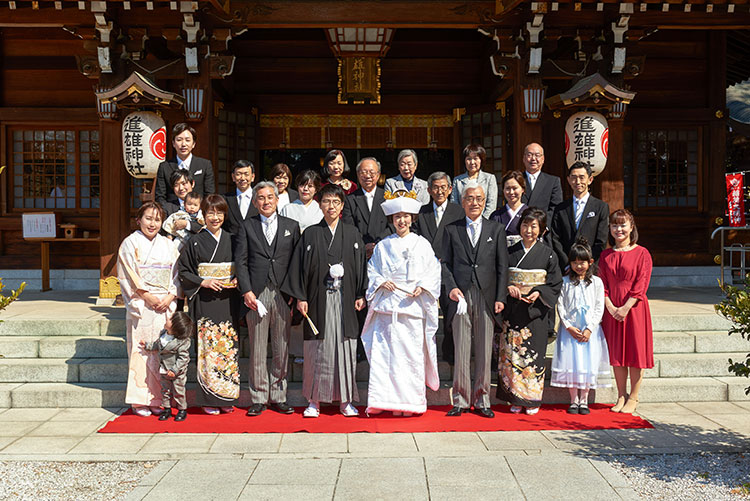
{"x":399,"y":333}
{"x":148,"y":280}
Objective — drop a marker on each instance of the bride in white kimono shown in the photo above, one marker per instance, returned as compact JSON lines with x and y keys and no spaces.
{"x":399,"y":333}
{"x":148,"y":280}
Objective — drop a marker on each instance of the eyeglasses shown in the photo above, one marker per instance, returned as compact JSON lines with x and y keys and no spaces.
{"x":439,"y":188}
{"x":534,"y":155}
{"x":471,"y":200}
{"x":333,"y":202}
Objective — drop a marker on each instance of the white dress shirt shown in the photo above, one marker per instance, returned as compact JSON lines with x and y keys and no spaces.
{"x":244,"y":200}
{"x":439,"y":211}
{"x":532,"y":179}
{"x":578,"y":205}
{"x":270,"y":225}
{"x":185,"y":164}
{"x":473,"y":230}
{"x":370,"y":196}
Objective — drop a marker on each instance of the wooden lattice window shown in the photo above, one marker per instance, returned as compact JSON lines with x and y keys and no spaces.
{"x":485,"y":128}
{"x":236,"y":141}
{"x":55,"y":168}
{"x":667,"y":167}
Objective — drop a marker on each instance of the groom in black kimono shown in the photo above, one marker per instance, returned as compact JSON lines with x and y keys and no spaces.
{"x":263,"y":251}
{"x":475,"y":274}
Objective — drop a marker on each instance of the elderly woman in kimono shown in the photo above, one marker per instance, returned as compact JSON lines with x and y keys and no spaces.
{"x":533,"y":286}
{"x":146,"y":268}
{"x":399,"y":333}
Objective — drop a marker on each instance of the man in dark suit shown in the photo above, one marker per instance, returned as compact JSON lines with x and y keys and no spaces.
{"x":183,"y":140}
{"x":240,"y":201}
{"x":581,"y":216}
{"x":433,"y":218}
{"x":542,"y":190}
{"x":263,"y":250}
{"x":362,"y":207}
{"x":475,"y":272}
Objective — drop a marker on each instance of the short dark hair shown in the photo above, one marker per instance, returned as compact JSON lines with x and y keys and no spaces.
{"x":581,"y":165}
{"x":182,"y":127}
{"x":619,"y":217}
{"x":515,"y":175}
{"x":180,"y":174}
{"x":477,"y":149}
{"x":194,"y":195}
{"x":331,"y":155}
{"x":214,"y":202}
{"x":241,"y":164}
{"x":182,"y":325}
{"x":150,"y":205}
{"x":535,"y":214}
{"x":333,"y":189}
{"x":581,"y":251}
{"x":279,"y":169}
{"x":307,"y":176}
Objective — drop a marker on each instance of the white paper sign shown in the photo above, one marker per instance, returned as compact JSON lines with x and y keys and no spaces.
{"x":144,"y":143}
{"x":587,"y":140}
{"x":39,"y":225}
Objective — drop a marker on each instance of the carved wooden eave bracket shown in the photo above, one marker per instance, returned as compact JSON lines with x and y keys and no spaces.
{"x":137,"y":91}
{"x":593,"y":91}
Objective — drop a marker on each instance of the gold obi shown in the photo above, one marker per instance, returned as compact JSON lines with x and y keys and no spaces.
{"x":219,"y":271}
{"x":526,"y":280}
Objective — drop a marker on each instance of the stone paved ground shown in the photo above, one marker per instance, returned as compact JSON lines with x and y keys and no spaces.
{"x":497,"y":465}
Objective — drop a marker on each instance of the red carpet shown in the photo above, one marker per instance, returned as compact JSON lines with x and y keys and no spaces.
{"x":550,"y":417}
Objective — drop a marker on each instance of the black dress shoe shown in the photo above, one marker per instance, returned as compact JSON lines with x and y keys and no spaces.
{"x":255,"y":410}
{"x":573,"y":409}
{"x":456,"y":411}
{"x":282,"y":408}
{"x":165,"y":414}
{"x":181,"y":415}
{"x":583,"y":410}
{"x":484,"y":412}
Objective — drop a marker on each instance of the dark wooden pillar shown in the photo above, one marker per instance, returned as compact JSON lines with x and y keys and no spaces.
{"x":524,"y":132}
{"x":611,"y":185}
{"x":114,"y":212}
{"x":713,"y":173}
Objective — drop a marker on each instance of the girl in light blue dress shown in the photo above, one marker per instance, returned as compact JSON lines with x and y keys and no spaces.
{"x":581,"y":360}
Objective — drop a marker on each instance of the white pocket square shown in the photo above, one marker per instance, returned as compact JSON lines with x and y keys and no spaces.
{"x":287,"y":233}
{"x":198,"y":172}
{"x":489,"y":239}
{"x":591,"y":214}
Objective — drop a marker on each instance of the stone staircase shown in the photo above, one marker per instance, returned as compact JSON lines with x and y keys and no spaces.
{"x":82,"y":363}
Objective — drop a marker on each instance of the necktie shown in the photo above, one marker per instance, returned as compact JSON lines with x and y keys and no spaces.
{"x":532,"y":181}
{"x":244,"y":205}
{"x":579,"y":212}
{"x":269,"y":232}
{"x":182,"y":165}
{"x":474,"y":233}
{"x":439,"y":215}
{"x":370,"y":198}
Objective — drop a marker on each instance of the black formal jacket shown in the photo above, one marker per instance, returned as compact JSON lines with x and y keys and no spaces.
{"x":233,"y":219}
{"x":486,"y":265}
{"x":546,"y":195}
{"x":594,"y":227}
{"x":200,"y":168}
{"x":426,"y":227}
{"x":372,"y":226}
{"x":256,"y":263}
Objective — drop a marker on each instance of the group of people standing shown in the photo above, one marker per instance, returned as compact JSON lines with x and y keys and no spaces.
{"x":353,"y":263}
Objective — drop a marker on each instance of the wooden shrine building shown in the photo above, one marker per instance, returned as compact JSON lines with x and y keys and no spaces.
{"x":290,"y":79}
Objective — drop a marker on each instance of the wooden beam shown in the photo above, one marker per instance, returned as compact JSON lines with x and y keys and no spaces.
{"x":67,"y":115}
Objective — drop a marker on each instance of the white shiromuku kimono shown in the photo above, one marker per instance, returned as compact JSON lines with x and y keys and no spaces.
{"x":399,"y":333}
{"x":149,"y":265}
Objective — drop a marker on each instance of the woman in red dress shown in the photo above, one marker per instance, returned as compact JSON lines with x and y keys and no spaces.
{"x":625,"y":270}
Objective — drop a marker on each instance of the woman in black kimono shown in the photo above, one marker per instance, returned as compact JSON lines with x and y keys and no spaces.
{"x":327,"y":276}
{"x":206,"y":271}
{"x":533,"y":286}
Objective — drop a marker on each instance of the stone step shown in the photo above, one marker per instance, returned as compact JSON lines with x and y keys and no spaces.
{"x":696,"y":364}
{"x":68,"y":327}
{"x":39,"y":395}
